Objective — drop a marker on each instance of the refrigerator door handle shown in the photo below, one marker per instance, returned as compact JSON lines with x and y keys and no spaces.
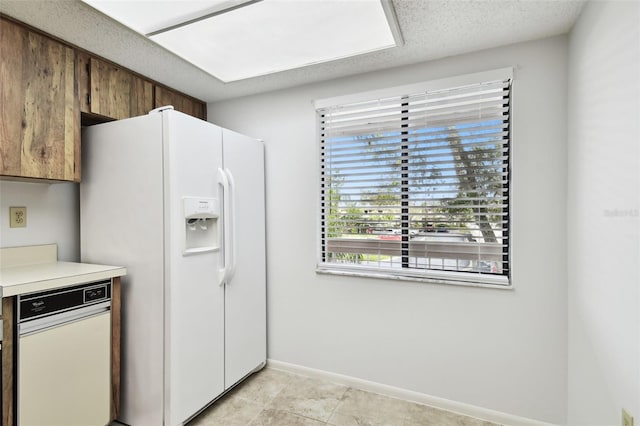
{"x":223,"y":180}
{"x":231,"y":248}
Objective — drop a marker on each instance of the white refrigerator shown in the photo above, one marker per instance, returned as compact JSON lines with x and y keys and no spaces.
{"x":179,"y":202}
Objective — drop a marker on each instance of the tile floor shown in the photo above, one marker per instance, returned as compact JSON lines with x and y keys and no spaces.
{"x":274,"y":397}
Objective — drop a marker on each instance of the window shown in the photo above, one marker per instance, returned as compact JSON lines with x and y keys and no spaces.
{"x":416,"y":185}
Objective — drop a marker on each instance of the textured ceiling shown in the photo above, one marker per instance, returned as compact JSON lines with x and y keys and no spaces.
{"x":431,"y":29}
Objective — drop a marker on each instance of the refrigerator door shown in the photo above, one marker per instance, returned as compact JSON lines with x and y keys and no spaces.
{"x":194,"y":308}
{"x":245,"y":290}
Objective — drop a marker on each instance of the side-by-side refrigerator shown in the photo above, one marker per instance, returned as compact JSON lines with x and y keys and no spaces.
{"x":179,"y":202}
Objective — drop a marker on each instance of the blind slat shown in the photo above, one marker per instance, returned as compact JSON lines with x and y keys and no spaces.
{"x":427,"y":142}
{"x":486,"y":108}
{"x":413,"y":122}
{"x":434,"y":97}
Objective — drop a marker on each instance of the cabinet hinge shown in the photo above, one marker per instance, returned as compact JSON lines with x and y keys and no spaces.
{"x":88,"y":99}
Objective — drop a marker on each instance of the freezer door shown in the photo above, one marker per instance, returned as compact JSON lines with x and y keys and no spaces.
{"x":122,"y":223}
{"x":245,"y":290}
{"x":194,"y":306}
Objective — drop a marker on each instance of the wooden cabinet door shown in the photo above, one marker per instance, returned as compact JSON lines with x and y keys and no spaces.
{"x":115,"y":92}
{"x":39,"y":109}
{"x":180,"y":102}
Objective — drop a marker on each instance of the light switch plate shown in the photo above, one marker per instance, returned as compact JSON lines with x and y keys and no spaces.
{"x":17,"y":217}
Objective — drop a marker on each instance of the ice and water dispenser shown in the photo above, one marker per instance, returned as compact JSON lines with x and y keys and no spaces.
{"x":201,"y":216}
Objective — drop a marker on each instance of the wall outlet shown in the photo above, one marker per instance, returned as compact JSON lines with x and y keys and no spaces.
{"x":17,"y":217}
{"x":627,"y":418}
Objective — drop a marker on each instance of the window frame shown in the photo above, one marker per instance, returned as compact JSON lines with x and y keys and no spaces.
{"x":408,"y":274}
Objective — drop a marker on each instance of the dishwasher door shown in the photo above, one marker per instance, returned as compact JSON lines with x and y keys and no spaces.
{"x":64,"y":374}
{"x":64,"y":356}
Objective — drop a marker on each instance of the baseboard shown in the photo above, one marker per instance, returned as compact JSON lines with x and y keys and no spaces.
{"x":433,"y":401}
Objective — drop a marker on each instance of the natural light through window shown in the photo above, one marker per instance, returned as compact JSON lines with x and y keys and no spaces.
{"x":236,"y":40}
{"x":417,"y":184}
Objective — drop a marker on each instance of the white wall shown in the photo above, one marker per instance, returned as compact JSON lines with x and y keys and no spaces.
{"x":498,"y":349}
{"x":52,"y":216}
{"x":604,"y":214}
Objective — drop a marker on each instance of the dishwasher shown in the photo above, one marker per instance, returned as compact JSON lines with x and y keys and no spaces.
{"x":64,"y":356}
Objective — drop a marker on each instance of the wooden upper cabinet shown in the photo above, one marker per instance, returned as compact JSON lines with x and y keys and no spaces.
{"x":112,"y":91}
{"x":46,"y":84}
{"x":180,"y":102}
{"x":39,"y":108}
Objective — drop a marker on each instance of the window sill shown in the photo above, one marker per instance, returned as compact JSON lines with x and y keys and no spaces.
{"x":448,"y":278}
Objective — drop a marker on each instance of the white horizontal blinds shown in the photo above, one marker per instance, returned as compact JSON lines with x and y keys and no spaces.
{"x":419,"y":181}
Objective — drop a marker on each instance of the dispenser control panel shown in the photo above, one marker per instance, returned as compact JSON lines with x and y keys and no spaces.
{"x":200,"y":208}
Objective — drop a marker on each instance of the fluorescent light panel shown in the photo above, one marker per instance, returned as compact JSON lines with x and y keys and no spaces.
{"x":260,"y":38}
{"x":148,"y":16}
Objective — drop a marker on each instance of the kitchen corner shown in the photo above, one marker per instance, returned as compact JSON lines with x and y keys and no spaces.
{"x":71,"y":312}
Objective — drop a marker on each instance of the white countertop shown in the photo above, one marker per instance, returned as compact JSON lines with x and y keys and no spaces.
{"x":47,"y":276}
{"x":35,"y":268}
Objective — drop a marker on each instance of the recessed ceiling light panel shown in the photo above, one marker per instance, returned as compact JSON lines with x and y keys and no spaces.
{"x":149,"y":16}
{"x":263,"y":37}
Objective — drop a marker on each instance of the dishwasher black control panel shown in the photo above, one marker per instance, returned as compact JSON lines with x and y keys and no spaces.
{"x":37,"y":305}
